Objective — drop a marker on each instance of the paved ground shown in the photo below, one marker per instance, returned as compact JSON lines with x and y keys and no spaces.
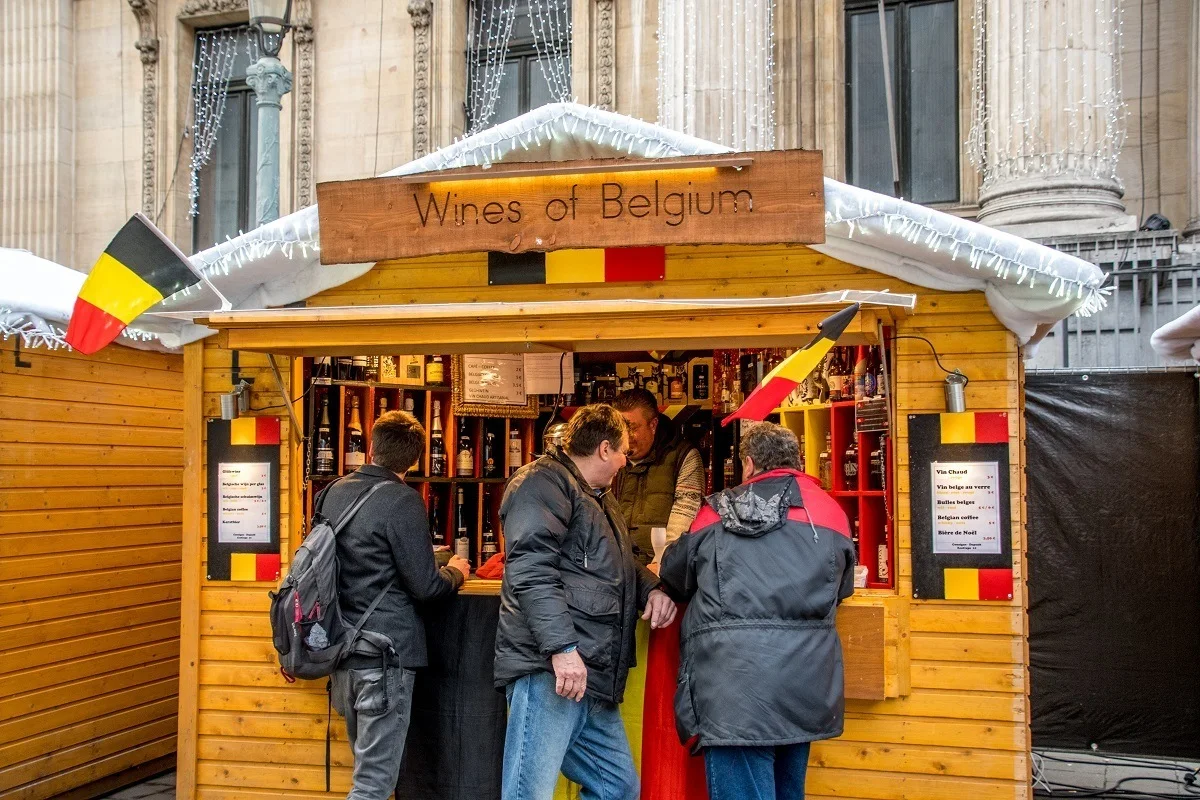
{"x":160,"y":787}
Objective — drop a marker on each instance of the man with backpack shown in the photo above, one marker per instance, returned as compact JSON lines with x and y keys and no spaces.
{"x":386,"y":563}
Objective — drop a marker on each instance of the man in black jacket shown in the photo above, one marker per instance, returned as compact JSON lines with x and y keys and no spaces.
{"x":387,"y":544}
{"x":568,"y":607}
{"x":764,"y":568}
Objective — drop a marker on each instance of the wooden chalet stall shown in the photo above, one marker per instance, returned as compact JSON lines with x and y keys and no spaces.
{"x":91,"y":462}
{"x":938,"y":706}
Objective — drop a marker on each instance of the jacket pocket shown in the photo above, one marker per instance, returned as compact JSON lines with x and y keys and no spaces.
{"x":596,"y":614}
{"x":686,"y":724}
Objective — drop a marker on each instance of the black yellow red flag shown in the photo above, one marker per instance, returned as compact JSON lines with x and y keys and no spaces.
{"x":139,"y":268}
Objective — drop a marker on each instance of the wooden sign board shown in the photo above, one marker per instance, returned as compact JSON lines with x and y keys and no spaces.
{"x":777,"y":197}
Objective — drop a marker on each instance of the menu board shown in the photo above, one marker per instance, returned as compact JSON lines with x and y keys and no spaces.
{"x":498,"y":379}
{"x":966,"y":508}
{"x":244,"y":501}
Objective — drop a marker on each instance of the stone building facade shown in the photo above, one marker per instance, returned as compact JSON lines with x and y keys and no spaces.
{"x":1073,"y":118}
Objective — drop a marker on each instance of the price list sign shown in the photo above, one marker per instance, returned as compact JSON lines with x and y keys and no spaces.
{"x":961,"y":506}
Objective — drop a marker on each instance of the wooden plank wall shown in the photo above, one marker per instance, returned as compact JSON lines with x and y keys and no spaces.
{"x":90,"y":480}
{"x":962,"y":732}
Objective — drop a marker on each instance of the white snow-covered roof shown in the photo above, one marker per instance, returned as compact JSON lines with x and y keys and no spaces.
{"x":1028,"y":286}
{"x":1179,"y":338}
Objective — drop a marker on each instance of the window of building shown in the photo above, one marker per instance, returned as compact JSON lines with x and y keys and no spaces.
{"x":225,"y":179}
{"x":519,"y":58}
{"x":923,"y":51}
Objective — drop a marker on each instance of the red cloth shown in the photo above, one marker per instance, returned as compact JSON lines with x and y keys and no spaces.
{"x":669,"y":771}
{"x":493,"y":570}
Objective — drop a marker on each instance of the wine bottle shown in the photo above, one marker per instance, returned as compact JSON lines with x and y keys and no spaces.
{"x":435,"y":522}
{"x":700,"y":381}
{"x":727,"y":473}
{"x":850,"y":466}
{"x":800,"y":467}
{"x":356,"y":452}
{"x":514,"y":450}
{"x":435,"y":373}
{"x":490,"y":547}
{"x":410,"y":403}
{"x":726,"y":385}
{"x":383,"y":409}
{"x":462,"y":541}
{"x":323,"y":460}
{"x":860,"y":374}
{"x":836,"y":376}
{"x":437,"y":446}
{"x":877,"y":458}
{"x":489,"y":456}
{"x":465,"y":462}
{"x":825,"y":465}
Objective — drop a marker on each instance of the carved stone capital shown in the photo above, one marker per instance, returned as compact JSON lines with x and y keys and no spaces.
{"x":200,"y":8}
{"x":421,"y":12}
{"x":148,"y":48}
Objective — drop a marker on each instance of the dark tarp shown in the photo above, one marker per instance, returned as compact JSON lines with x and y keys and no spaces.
{"x":1114,"y":562}
{"x":455,"y":741}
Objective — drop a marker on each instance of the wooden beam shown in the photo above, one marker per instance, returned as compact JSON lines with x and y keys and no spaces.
{"x":189,"y":627}
{"x":545,"y":169}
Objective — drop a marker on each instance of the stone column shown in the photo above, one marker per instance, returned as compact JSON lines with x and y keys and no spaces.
{"x":1048,"y":120}
{"x":716,"y":70}
{"x":270,"y":81}
{"x":1193,"y":108}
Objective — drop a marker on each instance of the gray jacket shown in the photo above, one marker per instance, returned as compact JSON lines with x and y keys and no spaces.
{"x":570,"y":578}
{"x":763,"y":571}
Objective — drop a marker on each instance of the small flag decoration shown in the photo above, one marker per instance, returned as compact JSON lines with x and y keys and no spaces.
{"x":139,"y":268}
{"x":974,"y":427}
{"x":607,"y":265}
{"x":254,"y":430}
{"x":978,"y":584}
{"x":254,"y":566}
{"x":791,"y":372}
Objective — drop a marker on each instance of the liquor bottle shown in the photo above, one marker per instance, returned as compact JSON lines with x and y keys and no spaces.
{"x":800,"y":467}
{"x":410,"y":403}
{"x":881,"y":565}
{"x":359,"y":365}
{"x":675,"y":389}
{"x":382,"y":406}
{"x":515,"y":449}
{"x":854,"y":537}
{"x":860,"y":374}
{"x":465,"y":463}
{"x":356,"y":451}
{"x":343,"y":367}
{"x":836,"y":377}
{"x":373,"y":368}
{"x":489,"y":456}
{"x":727,"y":473}
{"x":323,"y":460}
{"x":726,"y":384}
{"x":462,"y":541}
{"x":489,"y":548}
{"x":875,"y":471}
{"x":437,"y":445}
{"x":700,"y":381}
{"x":435,"y":522}
{"x":850,"y":466}
{"x":435,"y":373}
{"x":824,"y":464}
{"x":871,"y":378}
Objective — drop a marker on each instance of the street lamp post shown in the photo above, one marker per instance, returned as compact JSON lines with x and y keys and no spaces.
{"x":270,"y":80}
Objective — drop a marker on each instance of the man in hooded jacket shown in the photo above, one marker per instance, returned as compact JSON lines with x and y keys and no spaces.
{"x":762,"y":663}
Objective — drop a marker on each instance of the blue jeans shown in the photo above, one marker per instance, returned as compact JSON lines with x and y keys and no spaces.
{"x":547,"y":734}
{"x":756,"y":773}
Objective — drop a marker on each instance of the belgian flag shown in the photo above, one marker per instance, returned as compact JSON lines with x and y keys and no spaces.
{"x":139,"y":268}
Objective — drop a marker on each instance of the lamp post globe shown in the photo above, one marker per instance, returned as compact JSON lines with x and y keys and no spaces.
{"x":270,"y":80}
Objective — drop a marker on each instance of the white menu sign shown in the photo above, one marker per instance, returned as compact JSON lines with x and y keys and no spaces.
{"x":244,"y":503}
{"x":966,"y":507}
{"x":496,"y":378}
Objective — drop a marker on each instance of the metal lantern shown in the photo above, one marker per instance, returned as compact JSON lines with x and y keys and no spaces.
{"x":270,"y":19}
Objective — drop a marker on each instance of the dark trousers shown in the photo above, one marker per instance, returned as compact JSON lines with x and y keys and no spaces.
{"x":756,"y":773}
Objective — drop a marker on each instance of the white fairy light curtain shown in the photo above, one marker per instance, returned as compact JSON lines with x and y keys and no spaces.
{"x":716,"y":70}
{"x":1047,"y":91}
{"x":489,"y":30}
{"x":216,"y":55}
{"x":551,"y":23}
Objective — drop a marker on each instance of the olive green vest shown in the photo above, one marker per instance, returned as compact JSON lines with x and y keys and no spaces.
{"x":647,"y":491}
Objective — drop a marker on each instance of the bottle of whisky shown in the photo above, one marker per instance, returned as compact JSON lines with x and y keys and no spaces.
{"x":465,"y":462}
{"x":514,"y":450}
{"x":489,"y":547}
{"x":323,"y":459}
{"x":437,"y":445}
{"x":824,"y":463}
{"x":490,"y":468}
{"x":435,"y":373}
{"x":435,"y":522}
{"x":356,"y":451}
{"x":700,"y":381}
{"x":877,"y":458}
{"x":462,"y":540}
{"x":837,"y":376}
{"x":850,"y":466}
{"x":727,"y":473}
{"x":675,"y":388}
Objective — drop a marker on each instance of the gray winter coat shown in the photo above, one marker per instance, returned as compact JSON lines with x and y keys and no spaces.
{"x":570,"y":578}
{"x":763,"y":571}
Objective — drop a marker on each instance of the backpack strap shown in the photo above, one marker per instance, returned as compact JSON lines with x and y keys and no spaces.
{"x":349,"y":513}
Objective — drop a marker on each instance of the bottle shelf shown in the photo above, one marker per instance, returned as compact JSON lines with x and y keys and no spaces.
{"x":438,"y":387}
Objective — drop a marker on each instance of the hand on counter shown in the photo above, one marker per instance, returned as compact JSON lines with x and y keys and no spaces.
{"x":571,"y":675}
{"x":660,"y":609}
{"x":462,"y":565}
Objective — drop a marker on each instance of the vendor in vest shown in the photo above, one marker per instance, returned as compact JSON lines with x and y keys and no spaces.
{"x":662,"y":486}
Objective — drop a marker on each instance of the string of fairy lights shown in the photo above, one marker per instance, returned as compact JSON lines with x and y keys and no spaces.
{"x":551,"y":24}
{"x":216,"y":54}
{"x":1059,"y":111}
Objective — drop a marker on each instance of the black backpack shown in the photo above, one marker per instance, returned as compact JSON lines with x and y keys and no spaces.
{"x":307,"y":626}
